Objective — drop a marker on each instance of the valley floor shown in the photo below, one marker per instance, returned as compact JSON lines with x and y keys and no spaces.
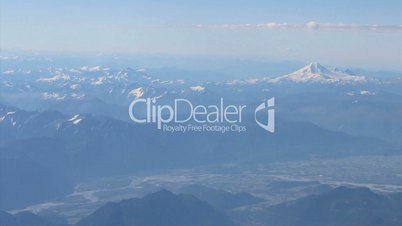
{"x":276,"y":182}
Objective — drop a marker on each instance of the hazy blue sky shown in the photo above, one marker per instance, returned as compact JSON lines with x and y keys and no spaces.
{"x":351,"y":33}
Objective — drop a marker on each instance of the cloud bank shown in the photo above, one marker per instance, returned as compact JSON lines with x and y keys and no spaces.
{"x":312,"y":25}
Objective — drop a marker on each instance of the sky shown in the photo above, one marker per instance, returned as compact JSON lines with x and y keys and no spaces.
{"x":348,"y":33}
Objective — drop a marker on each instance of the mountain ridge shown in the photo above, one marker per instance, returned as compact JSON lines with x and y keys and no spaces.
{"x":156,"y":209}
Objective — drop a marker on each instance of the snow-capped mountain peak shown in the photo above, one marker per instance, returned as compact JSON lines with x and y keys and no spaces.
{"x":317,"y":73}
{"x":314,"y":68}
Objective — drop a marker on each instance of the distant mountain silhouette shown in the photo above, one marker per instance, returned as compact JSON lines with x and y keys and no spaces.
{"x":157,"y":209}
{"x":26,"y":219}
{"x":340,"y":206}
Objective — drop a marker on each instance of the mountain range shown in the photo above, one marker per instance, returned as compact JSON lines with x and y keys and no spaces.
{"x":327,"y":96}
{"x":63,"y":125}
{"x":55,"y":148}
{"x":56,"y":119}
{"x":338,"y":206}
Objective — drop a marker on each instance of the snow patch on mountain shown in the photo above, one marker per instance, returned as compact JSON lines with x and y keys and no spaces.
{"x":8,"y":72}
{"x":197,"y":88}
{"x":78,"y":96}
{"x":137,"y":93}
{"x":90,"y":69}
{"x":53,"y":95}
{"x":362,"y":93}
{"x":99,"y":81}
{"x":75,"y":86}
{"x":367,"y":93}
{"x":75,"y":119}
{"x":141,"y":70}
{"x":7,"y":114}
{"x":58,"y":76}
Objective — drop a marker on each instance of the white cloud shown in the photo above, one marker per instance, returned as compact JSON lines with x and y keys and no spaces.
{"x":311,"y":25}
